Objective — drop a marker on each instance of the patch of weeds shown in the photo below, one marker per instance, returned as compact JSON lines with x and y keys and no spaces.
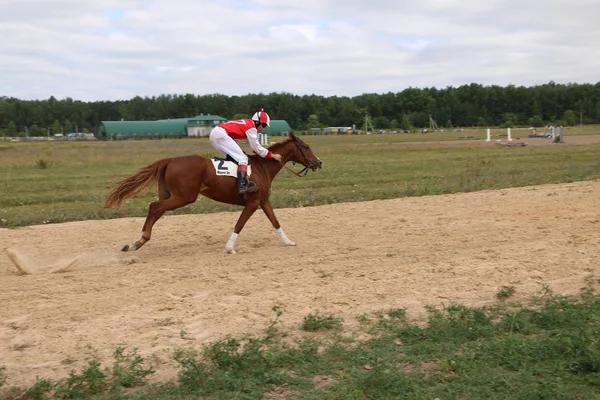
{"x":128,"y":369}
{"x":244,"y":366}
{"x":455,"y":323}
{"x":505,"y":292}
{"x":43,"y":163}
{"x":544,"y":293}
{"x":397,"y":313}
{"x":91,"y":381}
{"x":194,"y":373}
{"x":591,"y":280}
{"x":39,"y":390}
{"x":183,"y":334}
{"x":2,"y":376}
{"x":319,"y":322}
{"x":387,"y":320}
{"x":272,"y":329}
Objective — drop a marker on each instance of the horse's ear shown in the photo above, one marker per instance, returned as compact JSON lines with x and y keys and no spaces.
{"x":292,"y":136}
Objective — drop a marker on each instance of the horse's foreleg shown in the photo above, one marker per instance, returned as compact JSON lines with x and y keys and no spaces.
{"x":155,"y":211}
{"x":268,"y":209}
{"x":246,"y":214}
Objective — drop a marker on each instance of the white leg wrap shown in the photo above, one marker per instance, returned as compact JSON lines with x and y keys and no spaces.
{"x":231,"y":243}
{"x":284,"y":238}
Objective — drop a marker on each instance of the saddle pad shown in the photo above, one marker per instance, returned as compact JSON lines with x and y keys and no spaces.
{"x":227,"y":168}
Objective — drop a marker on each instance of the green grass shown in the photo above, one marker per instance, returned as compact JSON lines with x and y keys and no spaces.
{"x":319,"y":322}
{"x":505,"y":292}
{"x":550,"y":350}
{"x":67,"y":181}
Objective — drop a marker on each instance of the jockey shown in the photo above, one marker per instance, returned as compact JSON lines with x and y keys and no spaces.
{"x":223,"y":138}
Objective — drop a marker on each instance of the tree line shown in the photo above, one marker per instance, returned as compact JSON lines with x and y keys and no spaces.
{"x":463,"y":106}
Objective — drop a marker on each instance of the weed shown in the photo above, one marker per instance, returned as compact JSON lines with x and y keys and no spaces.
{"x":591,"y":280}
{"x":505,"y":292}
{"x":544,"y":293}
{"x":318,"y":322}
{"x":39,"y":390}
{"x":272,"y":329}
{"x":2,"y":376}
{"x":43,"y":163}
{"x":128,"y":369}
{"x":90,"y":381}
{"x":397,"y":313}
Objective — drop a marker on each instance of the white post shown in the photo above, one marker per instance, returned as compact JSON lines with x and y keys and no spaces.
{"x":489,"y":135}
{"x":263,"y":139}
{"x":560,"y":132}
{"x":553,"y":129}
{"x":508,"y":137}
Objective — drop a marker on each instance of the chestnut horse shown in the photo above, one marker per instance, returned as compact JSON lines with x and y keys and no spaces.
{"x":182,"y":179}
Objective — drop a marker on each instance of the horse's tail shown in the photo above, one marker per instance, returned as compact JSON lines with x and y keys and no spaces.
{"x":131,"y":186}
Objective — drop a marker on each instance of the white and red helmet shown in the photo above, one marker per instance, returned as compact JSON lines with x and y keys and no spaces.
{"x":261,"y":117}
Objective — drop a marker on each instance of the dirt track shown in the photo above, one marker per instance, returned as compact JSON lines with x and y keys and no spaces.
{"x":182,"y":289}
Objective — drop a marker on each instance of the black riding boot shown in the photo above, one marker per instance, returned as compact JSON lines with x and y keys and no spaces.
{"x":244,"y":184}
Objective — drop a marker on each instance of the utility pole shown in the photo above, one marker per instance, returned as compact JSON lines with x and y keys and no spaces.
{"x":367,"y":123}
{"x":432,"y":125}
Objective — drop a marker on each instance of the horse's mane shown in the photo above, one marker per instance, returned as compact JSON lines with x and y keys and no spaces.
{"x":274,"y":147}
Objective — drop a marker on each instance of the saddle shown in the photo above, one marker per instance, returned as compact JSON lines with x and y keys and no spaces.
{"x":229,"y":158}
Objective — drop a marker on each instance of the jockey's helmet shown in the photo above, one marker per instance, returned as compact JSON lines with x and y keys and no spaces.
{"x":261,"y":118}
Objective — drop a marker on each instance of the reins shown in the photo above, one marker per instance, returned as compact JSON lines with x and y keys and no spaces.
{"x":304,"y":171}
{"x":298,"y":174}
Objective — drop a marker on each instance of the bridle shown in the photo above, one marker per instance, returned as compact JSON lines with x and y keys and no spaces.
{"x":309,"y":164}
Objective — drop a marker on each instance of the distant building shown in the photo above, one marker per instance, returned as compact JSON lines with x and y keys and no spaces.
{"x":198,"y":126}
{"x":278,"y":127}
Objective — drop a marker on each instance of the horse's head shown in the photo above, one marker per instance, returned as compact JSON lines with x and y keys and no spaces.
{"x":304,"y":155}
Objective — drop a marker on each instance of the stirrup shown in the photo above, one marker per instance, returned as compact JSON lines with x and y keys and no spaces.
{"x":249,"y":187}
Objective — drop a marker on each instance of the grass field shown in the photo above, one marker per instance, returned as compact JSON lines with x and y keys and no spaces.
{"x":52,"y":182}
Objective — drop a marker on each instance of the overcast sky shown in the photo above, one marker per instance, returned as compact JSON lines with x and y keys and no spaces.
{"x":117,"y":49}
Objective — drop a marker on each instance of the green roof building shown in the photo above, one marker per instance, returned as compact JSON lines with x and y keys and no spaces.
{"x":278,"y":127}
{"x":198,"y":126}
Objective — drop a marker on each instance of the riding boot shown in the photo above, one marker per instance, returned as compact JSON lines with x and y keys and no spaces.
{"x":244,"y":184}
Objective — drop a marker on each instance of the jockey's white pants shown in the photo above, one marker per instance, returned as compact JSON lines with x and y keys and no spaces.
{"x":226,"y":145}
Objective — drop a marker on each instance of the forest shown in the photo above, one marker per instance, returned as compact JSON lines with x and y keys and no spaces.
{"x":472,"y":105}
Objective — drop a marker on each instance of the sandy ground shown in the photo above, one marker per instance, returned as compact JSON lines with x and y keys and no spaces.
{"x":182,"y":289}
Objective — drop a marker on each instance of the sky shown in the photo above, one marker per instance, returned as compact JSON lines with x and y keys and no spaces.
{"x":118,"y":49}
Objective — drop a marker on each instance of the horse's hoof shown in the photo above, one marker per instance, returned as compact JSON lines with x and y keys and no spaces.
{"x":231,"y":251}
{"x":125,"y":248}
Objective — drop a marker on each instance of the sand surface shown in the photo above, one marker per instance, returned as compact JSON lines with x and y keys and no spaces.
{"x":83,"y":297}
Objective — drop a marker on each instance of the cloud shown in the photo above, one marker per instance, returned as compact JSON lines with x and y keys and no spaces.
{"x":117,"y":49}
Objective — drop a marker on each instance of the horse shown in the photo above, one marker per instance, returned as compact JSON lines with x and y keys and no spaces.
{"x":181,"y":179}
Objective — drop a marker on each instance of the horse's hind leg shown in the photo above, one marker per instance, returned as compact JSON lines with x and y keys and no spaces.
{"x":155,"y":211}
